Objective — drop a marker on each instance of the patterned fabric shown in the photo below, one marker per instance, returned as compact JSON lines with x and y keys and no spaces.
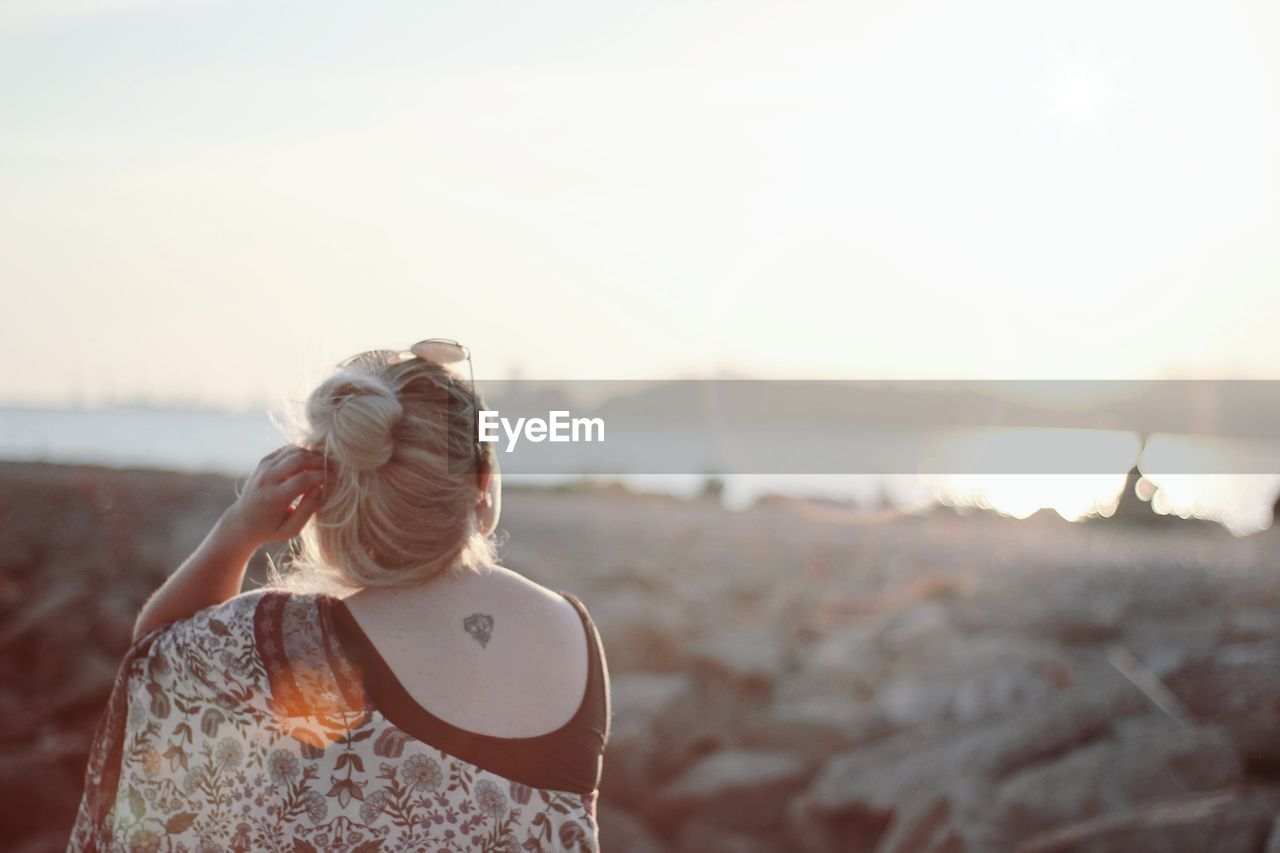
{"x":245,"y":727}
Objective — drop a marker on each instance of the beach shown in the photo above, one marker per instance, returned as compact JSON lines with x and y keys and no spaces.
{"x":791,"y":676}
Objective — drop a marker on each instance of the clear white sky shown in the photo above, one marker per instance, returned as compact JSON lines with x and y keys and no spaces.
{"x":211,"y":201}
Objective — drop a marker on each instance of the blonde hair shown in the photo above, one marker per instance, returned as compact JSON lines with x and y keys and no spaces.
{"x":398,"y":437}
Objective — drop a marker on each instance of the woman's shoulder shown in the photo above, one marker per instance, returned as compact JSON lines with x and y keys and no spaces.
{"x":273,"y":641}
{"x":239,"y":611}
{"x":553,"y":622}
{"x":566,"y":619}
{"x":561,"y":611}
{"x":208,"y":630}
{"x":551,"y":605}
{"x":249,"y":614}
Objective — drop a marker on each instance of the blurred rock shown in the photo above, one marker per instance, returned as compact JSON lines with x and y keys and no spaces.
{"x":1251,"y":625}
{"x":55,"y":603}
{"x":643,"y":696}
{"x":847,"y":662}
{"x":639,"y":634}
{"x":1167,"y":647}
{"x":1142,"y":760}
{"x":1066,"y":604}
{"x":974,"y":677}
{"x":44,"y":842}
{"x":88,"y":685}
{"x":742,"y":789}
{"x":623,"y":832}
{"x":1237,"y":688}
{"x":1170,"y":591}
{"x":747,"y":657}
{"x":816,"y":727}
{"x":113,"y":619}
{"x":924,"y":625}
{"x":640,"y":700}
{"x":627,"y":777}
{"x":1273,"y":840}
{"x":1222,"y":821}
{"x":859,"y":796}
{"x":699,"y":836}
{"x":953,"y":819}
{"x":36,"y":793}
{"x":1231,"y":678}
{"x":709,"y":720}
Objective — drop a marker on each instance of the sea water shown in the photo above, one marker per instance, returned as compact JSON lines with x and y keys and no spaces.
{"x":231,"y":442}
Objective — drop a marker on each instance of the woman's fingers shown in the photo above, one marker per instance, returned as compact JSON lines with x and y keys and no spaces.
{"x":298,"y":517}
{"x":299,"y":482}
{"x":291,"y":460}
{"x":269,"y":462}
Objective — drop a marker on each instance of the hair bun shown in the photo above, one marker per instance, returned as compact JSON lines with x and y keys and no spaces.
{"x":355,"y":415}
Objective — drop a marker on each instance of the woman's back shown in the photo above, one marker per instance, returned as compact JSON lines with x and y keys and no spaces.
{"x":490,"y":667}
{"x":489,"y":651}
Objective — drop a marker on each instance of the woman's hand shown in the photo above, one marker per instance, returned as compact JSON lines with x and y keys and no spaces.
{"x":266,"y":511}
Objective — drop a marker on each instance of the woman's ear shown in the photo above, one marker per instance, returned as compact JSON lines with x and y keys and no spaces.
{"x":489,"y":502}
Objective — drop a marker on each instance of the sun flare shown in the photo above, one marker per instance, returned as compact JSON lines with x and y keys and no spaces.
{"x":1078,"y":94}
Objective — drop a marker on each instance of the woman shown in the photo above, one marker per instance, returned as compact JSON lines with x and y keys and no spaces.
{"x":426,"y":699}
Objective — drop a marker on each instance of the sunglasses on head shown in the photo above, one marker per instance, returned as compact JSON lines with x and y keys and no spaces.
{"x":439,"y":350}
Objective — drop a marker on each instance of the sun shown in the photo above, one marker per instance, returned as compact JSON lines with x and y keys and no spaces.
{"x":1078,"y":94}
{"x":1079,"y":91}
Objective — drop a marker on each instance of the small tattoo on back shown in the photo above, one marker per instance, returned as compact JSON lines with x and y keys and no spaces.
{"x":480,"y":627}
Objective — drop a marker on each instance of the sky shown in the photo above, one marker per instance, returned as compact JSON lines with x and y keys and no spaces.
{"x":213,"y":202}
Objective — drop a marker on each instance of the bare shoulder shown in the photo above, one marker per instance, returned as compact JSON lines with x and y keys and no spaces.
{"x":505,"y":581}
{"x":516,"y":594}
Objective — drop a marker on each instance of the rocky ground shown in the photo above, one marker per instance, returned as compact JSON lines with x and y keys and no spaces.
{"x":790,"y":677}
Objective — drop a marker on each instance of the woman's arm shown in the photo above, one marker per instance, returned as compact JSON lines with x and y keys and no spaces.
{"x":264,"y":512}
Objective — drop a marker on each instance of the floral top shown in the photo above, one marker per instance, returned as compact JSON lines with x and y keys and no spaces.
{"x":254,"y":725}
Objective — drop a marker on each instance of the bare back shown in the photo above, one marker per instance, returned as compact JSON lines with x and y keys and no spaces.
{"x":489,"y":652}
